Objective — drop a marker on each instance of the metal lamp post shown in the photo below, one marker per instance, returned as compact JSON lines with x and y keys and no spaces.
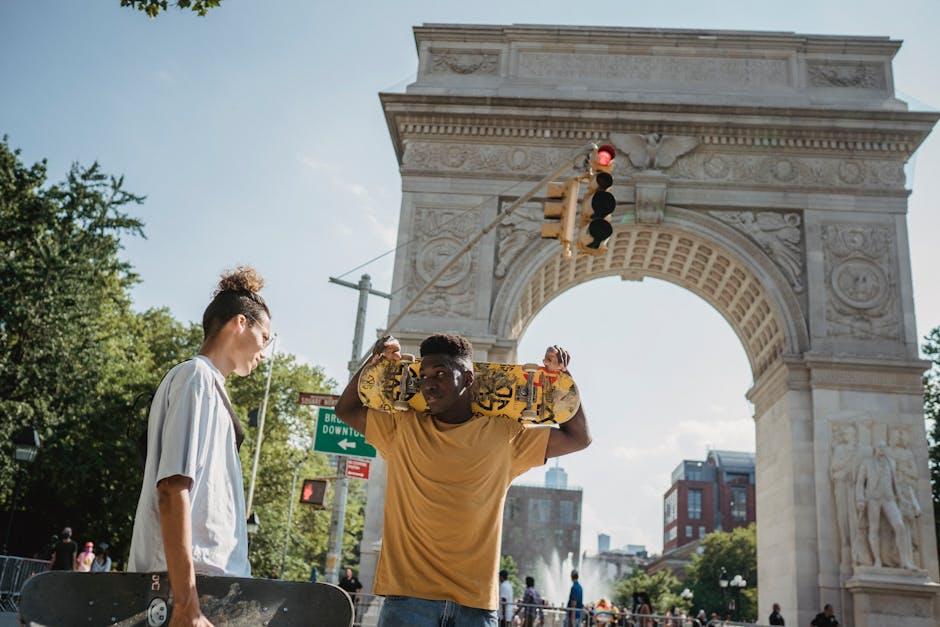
{"x":25,"y":448}
{"x":737,"y":583}
{"x":723,"y":584}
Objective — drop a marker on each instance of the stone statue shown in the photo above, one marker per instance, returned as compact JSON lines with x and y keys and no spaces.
{"x":654,"y":151}
{"x":842,"y":474}
{"x":903,"y":457}
{"x":876,"y":491}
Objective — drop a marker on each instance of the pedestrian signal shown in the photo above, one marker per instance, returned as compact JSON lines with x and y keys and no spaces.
{"x":313,"y":492}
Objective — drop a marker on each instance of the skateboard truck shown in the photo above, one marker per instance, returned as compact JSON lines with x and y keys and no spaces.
{"x":530,"y":370}
{"x":407,"y":384}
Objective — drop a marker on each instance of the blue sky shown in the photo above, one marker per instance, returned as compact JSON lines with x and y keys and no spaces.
{"x":257,"y":136}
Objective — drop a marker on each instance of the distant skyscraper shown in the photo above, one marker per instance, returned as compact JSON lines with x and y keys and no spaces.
{"x":603,"y":543}
{"x":556,"y":477}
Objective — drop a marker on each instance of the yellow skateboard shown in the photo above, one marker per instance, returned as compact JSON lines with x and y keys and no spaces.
{"x":527,"y":393}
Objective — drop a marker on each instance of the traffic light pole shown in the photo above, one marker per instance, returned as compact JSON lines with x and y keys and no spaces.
{"x":264,"y":409}
{"x":341,"y":485}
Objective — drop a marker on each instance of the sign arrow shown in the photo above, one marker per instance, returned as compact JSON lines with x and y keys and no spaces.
{"x":346,"y":444}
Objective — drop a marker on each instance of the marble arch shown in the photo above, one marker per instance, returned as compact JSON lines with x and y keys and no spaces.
{"x":764,"y":171}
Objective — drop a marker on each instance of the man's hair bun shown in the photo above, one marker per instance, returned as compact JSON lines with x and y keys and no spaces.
{"x":241,"y":279}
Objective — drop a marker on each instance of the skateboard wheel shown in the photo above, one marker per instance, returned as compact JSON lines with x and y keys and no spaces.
{"x":531,"y":367}
{"x":157,"y":613}
{"x":529,"y":413}
{"x":401,"y":405}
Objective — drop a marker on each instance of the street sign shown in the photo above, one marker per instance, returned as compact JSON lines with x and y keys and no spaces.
{"x":357,"y":469}
{"x":335,"y":436}
{"x":320,"y":400}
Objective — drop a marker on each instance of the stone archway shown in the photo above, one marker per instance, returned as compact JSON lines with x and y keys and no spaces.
{"x":763,"y":172}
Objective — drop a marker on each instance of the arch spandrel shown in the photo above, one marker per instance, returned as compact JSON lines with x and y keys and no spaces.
{"x":710,"y":260}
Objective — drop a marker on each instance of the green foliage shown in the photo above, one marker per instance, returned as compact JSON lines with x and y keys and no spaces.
{"x":736,"y":552}
{"x":288,"y":436}
{"x":153,"y":7}
{"x":507,"y":563}
{"x":931,"y":350}
{"x":662,"y":587}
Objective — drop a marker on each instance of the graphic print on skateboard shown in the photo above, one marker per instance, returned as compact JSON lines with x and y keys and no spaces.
{"x":60,"y":599}
{"x":527,"y":393}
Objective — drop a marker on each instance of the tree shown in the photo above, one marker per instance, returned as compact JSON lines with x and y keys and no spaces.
{"x":153,"y":7}
{"x":736,"y":552}
{"x":931,"y":350}
{"x":507,"y":563}
{"x":662,"y":588}
{"x":288,"y":438}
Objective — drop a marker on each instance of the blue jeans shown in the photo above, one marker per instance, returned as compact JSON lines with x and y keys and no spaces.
{"x":412,"y":612}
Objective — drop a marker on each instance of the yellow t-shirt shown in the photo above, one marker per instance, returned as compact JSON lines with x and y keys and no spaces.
{"x":444,"y":502}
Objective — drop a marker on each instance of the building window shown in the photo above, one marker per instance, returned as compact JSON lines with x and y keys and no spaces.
{"x":693,"y":473}
{"x":567,"y":511}
{"x":670,"y":507}
{"x":540,"y":510}
{"x":739,"y":504}
{"x":695,"y":504}
{"x":701,"y":532}
{"x":512,"y":508}
{"x":671,"y":534}
{"x":688,"y":532}
{"x":575,"y":537}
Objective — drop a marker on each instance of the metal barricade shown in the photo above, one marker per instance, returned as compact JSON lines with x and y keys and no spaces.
{"x":14,"y":571}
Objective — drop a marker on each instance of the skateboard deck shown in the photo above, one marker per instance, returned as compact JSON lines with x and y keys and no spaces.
{"x":527,"y":393}
{"x":61,"y":599}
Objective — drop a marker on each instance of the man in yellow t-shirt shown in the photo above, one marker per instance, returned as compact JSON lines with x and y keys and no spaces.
{"x":448,"y":472}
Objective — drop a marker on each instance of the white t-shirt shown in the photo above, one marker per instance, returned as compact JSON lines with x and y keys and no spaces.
{"x":190,"y":433}
{"x":505,"y":592}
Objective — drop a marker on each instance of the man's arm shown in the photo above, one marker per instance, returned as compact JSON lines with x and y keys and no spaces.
{"x":176,"y":528}
{"x":349,"y":407}
{"x":569,"y":437}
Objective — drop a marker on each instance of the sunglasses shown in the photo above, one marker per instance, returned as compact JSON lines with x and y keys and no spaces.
{"x":267,"y":340}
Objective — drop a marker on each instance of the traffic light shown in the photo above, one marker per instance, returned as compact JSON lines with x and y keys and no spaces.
{"x":561,"y":213}
{"x":598,"y":203}
{"x":313,"y":492}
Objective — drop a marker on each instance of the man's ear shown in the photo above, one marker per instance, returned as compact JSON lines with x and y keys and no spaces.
{"x":468,"y":378}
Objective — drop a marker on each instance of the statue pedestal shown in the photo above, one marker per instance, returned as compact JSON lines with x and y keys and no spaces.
{"x":894,"y":596}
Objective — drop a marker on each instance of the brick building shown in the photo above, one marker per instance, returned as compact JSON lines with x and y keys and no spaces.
{"x":715,"y":494}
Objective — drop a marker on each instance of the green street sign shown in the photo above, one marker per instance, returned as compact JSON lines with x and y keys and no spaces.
{"x":335,"y":436}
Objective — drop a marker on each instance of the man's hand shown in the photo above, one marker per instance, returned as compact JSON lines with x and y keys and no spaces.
{"x":188,"y":614}
{"x":387,"y":347}
{"x":556,"y":359}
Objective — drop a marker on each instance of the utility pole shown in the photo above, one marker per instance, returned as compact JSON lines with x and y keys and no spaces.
{"x":290,"y":519}
{"x":264,"y":408}
{"x":341,"y":485}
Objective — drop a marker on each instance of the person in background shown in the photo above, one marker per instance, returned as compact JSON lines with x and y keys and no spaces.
{"x":505,"y":599}
{"x":65,"y":552}
{"x":101,"y":563}
{"x":826,"y":618}
{"x":575,"y":601}
{"x":776,"y":618}
{"x":531,"y":604}
{"x":85,"y":558}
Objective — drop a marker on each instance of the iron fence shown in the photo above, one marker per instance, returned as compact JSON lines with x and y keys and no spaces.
{"x":14,"y":571}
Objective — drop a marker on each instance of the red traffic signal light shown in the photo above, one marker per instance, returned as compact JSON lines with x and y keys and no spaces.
{"x":605,"y":155}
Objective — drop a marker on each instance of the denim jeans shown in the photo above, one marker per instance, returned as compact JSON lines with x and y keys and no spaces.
{"x":412,"y":612}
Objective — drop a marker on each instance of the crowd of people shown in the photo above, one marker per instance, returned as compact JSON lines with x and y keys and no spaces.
{"x":63,"y":553}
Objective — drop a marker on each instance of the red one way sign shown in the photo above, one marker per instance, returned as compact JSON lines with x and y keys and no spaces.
{"x":357,"y":469}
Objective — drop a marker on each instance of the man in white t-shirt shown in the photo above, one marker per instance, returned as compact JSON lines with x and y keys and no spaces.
{"x":191,"y":513}
{"x":506,"y":607}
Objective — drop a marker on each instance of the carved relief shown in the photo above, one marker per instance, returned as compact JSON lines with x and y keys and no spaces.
{"x":790,"y":171}
{"x":673,"y":155}
{"x":862,"y":299}
{"x":778,"y":234}
{"x":857,"y":74}
{"x":653,"y":151}
{"x":464,"y":61}
{"x":752,"y":72}
{"x":515,"y":233}
{"x":441,"y":233}
{"x":876,"y":505}
{"x":438,"y":156}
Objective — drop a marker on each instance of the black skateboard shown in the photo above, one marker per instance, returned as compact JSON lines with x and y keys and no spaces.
{"x":62,"y":599}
